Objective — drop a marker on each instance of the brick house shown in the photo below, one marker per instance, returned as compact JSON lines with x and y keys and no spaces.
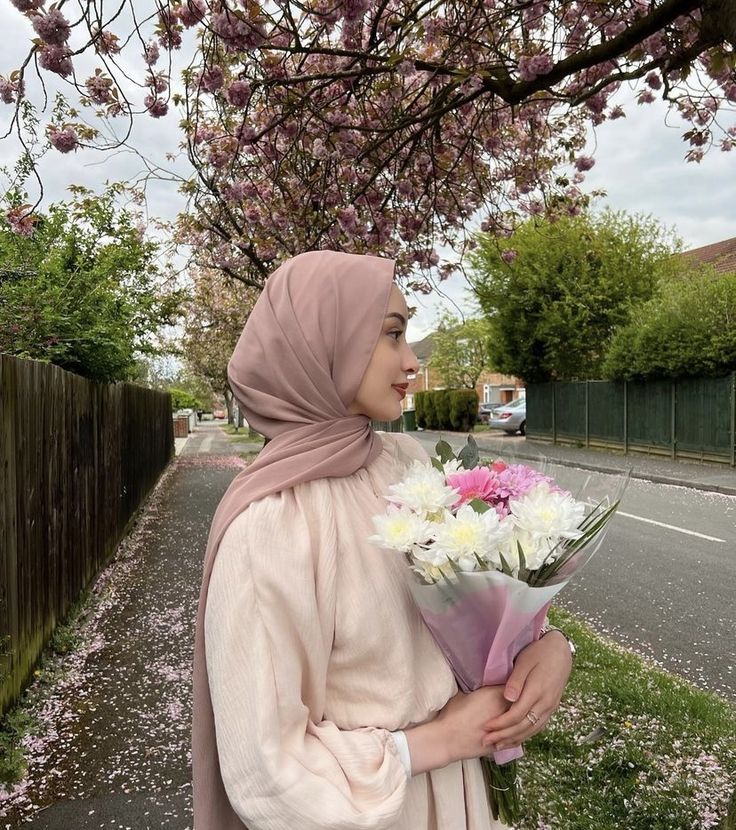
{"x":492,"y":387}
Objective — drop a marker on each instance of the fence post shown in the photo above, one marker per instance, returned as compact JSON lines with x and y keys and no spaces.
{"x":733,"y":419}
{"x":554,"y":412}
{"x":587,"y":413}
{"x":673,"y":422}
{"x":626,"y":417}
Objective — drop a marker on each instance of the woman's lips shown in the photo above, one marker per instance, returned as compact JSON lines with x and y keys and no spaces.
{"x":400,"y":389}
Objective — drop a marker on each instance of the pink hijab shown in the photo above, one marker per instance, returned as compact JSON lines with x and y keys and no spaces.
{"x":295,"y":370}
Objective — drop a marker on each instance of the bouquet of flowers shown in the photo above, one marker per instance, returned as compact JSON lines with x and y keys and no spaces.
{"x":489,"y":546}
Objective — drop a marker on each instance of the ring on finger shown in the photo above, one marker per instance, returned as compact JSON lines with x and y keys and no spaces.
{"x":532,"y":717}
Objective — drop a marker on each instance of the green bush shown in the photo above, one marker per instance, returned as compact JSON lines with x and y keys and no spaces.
{"x":420,"y":402}
{"x":683,"y":331}
{"x":442,"y":408}
{"x":463,"y":409}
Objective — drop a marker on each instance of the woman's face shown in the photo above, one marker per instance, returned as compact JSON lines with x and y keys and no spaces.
{"x":378,"y":396}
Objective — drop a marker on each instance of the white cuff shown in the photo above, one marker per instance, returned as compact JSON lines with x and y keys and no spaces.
{"x":403,"y":747}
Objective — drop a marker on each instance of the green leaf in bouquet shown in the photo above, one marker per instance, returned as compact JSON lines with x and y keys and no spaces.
{"x":479,"y":505}
{"x":523,"y":572}
{"x":481,"y":562}
{"x":437,"y":464}
{"x":444,"y":450}
{"x":468,"y":455}
{"x":505,"y":567}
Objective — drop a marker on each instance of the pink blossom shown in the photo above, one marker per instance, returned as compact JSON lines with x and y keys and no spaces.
{"x":654,"y":80}
{"x":518,"y":479}
{"x":169,"y":30}
{"x":583,"y":163}
{"x":531,"y":67}
{"x":191,"y":12}
{"x":156,"y":107}
{"x":52,"y":27}
{"x":617,"y":112}
{"x":509,"y":255}
{"x":646,"y":96}
{"x":478,"y":483}
{"x":99,"y":89}
{"x":212,"y":78}
{"x":21,"y":220}
{"x":27,"y":5}
{"x":108,"y":43}
{"x":64,"y":140}
{"x":151,"y":53}
{"x":10,"y":90}
{"x":238,"y":93}
{"x":56,"y":59}
{"x":238,"y":33}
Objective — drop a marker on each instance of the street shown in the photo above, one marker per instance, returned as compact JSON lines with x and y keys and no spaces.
{"x":664,"y":580}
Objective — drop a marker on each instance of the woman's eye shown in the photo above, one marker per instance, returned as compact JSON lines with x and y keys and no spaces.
{"x":395,"y":334}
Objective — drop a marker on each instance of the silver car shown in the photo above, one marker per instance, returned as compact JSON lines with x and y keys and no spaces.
{"x":510,"y":417}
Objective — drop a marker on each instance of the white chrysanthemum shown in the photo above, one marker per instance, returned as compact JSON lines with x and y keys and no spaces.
{"x":536,"y":549}
{"x":467,"y":534}
{"x":400,"y":529}
{"x":423,"y":490}
{"x":545,"y":513}
{"x":452,"y":466}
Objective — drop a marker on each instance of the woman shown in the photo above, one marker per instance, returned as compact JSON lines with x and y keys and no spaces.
{"x":320,"y":698}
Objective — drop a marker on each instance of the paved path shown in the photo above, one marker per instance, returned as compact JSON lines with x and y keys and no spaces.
{"x":116,"y":748}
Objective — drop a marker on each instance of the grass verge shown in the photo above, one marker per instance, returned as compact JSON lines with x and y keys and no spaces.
{"x":631,"y":748}
{"x":242,"y":434}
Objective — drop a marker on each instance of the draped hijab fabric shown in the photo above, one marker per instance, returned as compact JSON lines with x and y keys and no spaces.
{"x":296,"y":368}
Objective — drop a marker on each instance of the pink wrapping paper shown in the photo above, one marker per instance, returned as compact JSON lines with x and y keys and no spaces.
{"x":481,"y":621}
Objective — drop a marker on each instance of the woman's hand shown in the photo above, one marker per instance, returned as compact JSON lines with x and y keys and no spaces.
{"x":534,"y":688}
{"x":458,"y":730}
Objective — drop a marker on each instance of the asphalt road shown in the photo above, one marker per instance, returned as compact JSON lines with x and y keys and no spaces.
{"x":663,"y":582}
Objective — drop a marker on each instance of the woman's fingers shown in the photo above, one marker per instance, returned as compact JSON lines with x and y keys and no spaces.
{"x":519,"y":724}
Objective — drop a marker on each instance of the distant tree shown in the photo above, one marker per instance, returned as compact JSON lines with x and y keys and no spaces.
{"x":687,"y":329}
{"x":86,"y":291}
{"x":183,"y":399}
{"x":215,"y":315}
{"x":460,"y":351}
{"x":555,"y":292}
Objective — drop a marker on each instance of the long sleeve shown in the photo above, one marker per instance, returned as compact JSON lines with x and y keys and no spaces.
{"x":269,"y":629}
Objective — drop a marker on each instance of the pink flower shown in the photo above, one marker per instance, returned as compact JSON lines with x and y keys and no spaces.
{"x":238,"y":93}
{"x":583,"y":163}
{"x":654,"y":81}
{"x":64,"y":140}
{"x":27,"y":5}
{"x":478,"y":483}
{"x":56,"y":59}
{"x":21,"y":220}
{"x":52,"y":27}
{"x":509,"y":255}
{"x":191,"y":12}
{"x":212,"y":79}
{"x":9,"y":90}
{"x":518,"y":479}
{"x":99,"y":89}
{"x":156,"y":107}
{"x":151,"y":53}
{"x":108,"y":43}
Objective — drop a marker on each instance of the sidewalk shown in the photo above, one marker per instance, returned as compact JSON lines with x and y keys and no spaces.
{"x":718,"y":478}
{"x":115,"y":748}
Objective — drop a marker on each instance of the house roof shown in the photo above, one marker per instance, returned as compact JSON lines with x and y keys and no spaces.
{"x":721,"y":255}
{"x":423,"y":348}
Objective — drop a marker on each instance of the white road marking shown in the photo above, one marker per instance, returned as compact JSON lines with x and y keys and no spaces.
{"x":670,"y":527}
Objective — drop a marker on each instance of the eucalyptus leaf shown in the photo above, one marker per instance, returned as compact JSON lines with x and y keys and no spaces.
{"x":479,"y":506}
{"x":444,"y":450}
{"x":437,"y":464}
{"x":468,"y":455}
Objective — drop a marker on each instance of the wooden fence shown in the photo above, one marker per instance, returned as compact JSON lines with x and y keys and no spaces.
{"x":685,"y":418}
{"x":77,"y":459}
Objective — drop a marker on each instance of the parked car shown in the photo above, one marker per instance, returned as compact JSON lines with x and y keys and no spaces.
{"x":510,"y":417}
{"x":484,"y":412}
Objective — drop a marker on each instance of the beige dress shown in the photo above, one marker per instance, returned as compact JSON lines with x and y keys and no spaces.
{"x":315,"y":652}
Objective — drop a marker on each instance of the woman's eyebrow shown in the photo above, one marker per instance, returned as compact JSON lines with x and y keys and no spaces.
{"x":397,"y":316}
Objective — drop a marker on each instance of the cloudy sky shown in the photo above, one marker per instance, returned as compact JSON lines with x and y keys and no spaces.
{"x":639,"y":163}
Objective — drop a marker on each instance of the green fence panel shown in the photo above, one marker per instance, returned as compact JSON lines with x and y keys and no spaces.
{"x":650,"y":414}
{"x":570,"y":410}
{"x":606,"y":411}
{"x":539,"y":410}
{"x":703,"y":416}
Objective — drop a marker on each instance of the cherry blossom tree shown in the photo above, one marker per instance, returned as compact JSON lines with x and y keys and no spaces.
{"x":379,"y":126}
